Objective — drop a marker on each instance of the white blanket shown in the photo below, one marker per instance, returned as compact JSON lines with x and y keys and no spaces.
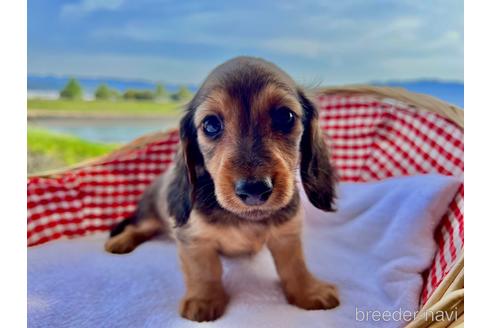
{"x":374,"y":249}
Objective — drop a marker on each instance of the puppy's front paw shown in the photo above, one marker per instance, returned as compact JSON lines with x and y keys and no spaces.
{"x":120,"y":244}
{"x":317,"y":295}
{"x":203,"y":309}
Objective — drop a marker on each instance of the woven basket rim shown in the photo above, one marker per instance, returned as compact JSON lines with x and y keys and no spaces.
{"x":419,"y":101}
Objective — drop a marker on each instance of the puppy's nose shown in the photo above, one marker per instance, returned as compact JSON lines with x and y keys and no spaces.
{"x":254,"y":192}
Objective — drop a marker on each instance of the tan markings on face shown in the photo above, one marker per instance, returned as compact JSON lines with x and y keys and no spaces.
{"x":224,"y":157}
{"x":217,"y":103}
{"x":273,"y":96}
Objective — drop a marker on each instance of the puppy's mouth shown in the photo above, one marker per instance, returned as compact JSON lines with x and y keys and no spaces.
{"x":255,"y":214}
{"x":254,"y":199}
{"x":252,"y":212}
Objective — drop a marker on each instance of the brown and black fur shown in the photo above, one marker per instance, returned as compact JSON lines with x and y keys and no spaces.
{"x":195,"y":202}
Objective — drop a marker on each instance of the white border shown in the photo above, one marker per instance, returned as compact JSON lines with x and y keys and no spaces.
{"x":478,"y":162}
{"x":13,"y":289}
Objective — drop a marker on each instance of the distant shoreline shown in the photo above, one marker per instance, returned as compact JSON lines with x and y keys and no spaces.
{"x":60,"y":114}
{"x":102,"y":109}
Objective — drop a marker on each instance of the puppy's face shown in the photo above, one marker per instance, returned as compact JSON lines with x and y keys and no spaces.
{"x":250,"y":144}
{"x":249,"y":126}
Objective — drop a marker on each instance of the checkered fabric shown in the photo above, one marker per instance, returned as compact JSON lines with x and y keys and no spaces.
{"x":370,"y":139}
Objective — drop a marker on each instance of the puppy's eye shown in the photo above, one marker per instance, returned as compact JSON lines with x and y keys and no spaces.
{"x":212,"y":126}
{"x":283,"y":119}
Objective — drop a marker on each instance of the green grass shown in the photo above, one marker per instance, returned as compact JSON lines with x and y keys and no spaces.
{"x":63,"y":149}
{"x":101,"y":106}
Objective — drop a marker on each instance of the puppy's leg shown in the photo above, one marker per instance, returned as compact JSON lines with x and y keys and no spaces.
{"x":300,"y":287}
{"x":148,"y":220}
{"x":133,"y":235}
{"x":205,"y":297}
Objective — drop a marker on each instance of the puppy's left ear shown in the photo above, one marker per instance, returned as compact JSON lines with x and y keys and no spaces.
{"x":182,"y":188}
{"x":317,"y":174}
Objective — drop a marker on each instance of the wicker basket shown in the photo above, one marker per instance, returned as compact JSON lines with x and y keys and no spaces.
{"x":374,"y":133}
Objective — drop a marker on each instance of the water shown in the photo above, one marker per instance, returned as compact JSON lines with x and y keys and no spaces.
{"x":109,"y":130}
{"x":451,"y":92}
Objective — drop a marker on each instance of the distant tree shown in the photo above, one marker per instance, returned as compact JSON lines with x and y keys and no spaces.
{"x":72,"y":90}
{"x":182,"y":94}
{"x":129,"y":94}
{"x":103,"y":92}
{"x":144,"y":95}
{"x":115,"y":94}
{"x":138,"y":95}
{"x":161,"y":92}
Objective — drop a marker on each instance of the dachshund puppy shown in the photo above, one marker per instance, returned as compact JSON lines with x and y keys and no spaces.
{"x":233,"y":189}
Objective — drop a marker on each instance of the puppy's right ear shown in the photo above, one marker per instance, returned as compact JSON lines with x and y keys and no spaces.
{"x":317,"y":173}
{"x":181,"y":192}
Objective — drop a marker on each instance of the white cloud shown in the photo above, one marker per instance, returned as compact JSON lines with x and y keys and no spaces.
{"x":87,"y":6}
{"x":295,"y":46}
{"x":156,"y":68}
{"x":333,"y":41}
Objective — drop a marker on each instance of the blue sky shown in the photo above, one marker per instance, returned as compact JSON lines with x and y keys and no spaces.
{"x":317,"y":42}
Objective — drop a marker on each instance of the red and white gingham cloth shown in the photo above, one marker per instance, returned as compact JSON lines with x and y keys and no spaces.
{"x":370,"y":140}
